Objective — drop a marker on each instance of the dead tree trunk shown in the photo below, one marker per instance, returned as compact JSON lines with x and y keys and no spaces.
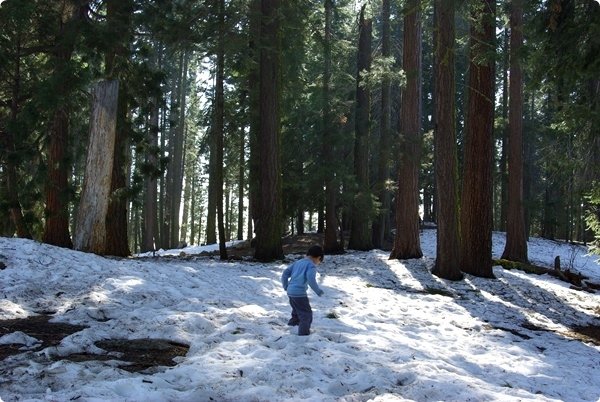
{"x":90,"y":232}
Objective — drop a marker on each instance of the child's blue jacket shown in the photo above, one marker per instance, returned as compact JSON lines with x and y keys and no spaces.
{"x":297,"y":277}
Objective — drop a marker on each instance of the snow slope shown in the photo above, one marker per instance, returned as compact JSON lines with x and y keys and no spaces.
{"x":384,"y":330}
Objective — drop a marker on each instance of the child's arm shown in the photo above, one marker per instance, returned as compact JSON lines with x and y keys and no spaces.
{"x":285,"y":277}
{"x":311,"y":278}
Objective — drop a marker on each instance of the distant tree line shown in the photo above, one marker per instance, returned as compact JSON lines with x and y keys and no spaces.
{"x":129,"y":125}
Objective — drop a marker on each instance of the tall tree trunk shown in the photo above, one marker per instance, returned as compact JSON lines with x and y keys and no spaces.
{"x":188,"y":173}
{"x":91,"y":231}
{"x":299,"y":221}
{"x":381,"y":225}
{"x":8,"y":142}
{"x":56,"y":229}
{"x":163,"y":195}
{"x":330,"y":243}
{"x":117,"y":243}
{"x":213,"y":200}
{"x":360,"y":233}
{"x":407,"y":242}
{"x":219,"y":130}
{"x":193,"y":189}
{"x":476,"y":211}
{"x":6,"y":225}
{"x":241,"y":188}
{"x":172,"y":138}
{"x":178,"y":154}
{"x":516,"y":241}
{"x":119,"y":14}
{"x":254,"y":117}
{"x":269,"y":222}
{"x":241,"y":182}
{"x":446,"y":165}
{"x":504,"y":151}
{"x":227,"y":208}
{"x":528,"y":163}
{"x":150,"y":224}
{"x":321,"y":215}
{"x":14,"y":205}
{"x":250,"y":222}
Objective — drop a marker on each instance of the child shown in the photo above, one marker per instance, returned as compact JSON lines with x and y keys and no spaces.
{"x":295,"y":280}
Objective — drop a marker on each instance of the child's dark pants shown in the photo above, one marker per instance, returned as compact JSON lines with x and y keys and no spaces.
{"x":301,"y":314}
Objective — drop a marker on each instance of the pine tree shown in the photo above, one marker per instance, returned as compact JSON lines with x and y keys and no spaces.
{"x":360,"y":234}
{"x":407,"y":241}
{"x":381,"y":225}
{"x":446,"y":170}
{"x":516,"y":242}
{"x":269,"y":216}
{"x":18,"y":23}
{"x":476,"y":203}
{"x":119,"y":14}
{"x":56,"y":230}
{"x":218,"y":131}
{"x":330,"y":244}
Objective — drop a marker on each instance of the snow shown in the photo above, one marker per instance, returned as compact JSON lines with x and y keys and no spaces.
{"x":384,"y":330}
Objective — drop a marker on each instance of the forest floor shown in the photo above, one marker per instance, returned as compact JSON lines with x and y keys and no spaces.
{"x":141,"y":354}
{"x":297,"y":244}
{"x":145,"y":354}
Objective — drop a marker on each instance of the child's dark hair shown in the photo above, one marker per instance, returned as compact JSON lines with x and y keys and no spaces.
{"x":316,"y":251}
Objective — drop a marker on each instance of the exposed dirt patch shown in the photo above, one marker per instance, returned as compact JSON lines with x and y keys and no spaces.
{"x":136,"y":354}
{"x":39,"y":327}
{"x":590,"y":333}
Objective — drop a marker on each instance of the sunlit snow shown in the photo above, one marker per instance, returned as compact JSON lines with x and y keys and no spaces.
{"x":384,"y":330}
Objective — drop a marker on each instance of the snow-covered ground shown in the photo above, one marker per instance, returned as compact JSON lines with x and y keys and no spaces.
{"x":384,"y":330}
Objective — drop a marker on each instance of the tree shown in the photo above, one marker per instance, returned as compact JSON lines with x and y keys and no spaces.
{"x":17,"y":23}
{"x":253,"y":74}
{"x":407,"y":242}
{"x":360,"y":235}
{"x":269,"y":216}
{"x":516,"y":241}
{"x":178,"y":138}
{"x":150,"y":239}
{"x":330,"y":244}
{"x":476,"y":211}
{"x":502,"y":168}
{"x":241,"y":173}
{"x":446,"y":169}
{"x":56,"y":230}
{"x":564,"y":114}
{"x":381,"y":225}
{"x":91,"y":230}
{"x":119,"y":14}
{"x":218,"y":127}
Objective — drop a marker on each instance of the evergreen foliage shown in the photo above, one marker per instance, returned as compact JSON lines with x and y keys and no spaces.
{"x":165,"y":54}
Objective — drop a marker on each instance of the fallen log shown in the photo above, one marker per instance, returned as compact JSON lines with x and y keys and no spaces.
{"x":579,"y":281}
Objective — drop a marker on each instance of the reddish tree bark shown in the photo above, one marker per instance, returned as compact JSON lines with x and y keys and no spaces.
{"x":476,"y":211}
{"x":407,"y":243}
{"x":360,"y":234}
{"x":516,"y":239}
{"x":269,"y":213}
{"x":446,"y":169}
